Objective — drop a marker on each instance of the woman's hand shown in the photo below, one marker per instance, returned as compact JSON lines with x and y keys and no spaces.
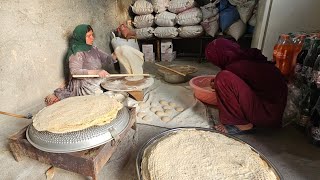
{"x":103,"y":73}
{"x":212,"y":83}
{"x":114,"y":56}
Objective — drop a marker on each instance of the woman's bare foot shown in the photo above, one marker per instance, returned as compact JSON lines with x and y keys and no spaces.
{"x":51,"y":99}
{"x":222,"y":128}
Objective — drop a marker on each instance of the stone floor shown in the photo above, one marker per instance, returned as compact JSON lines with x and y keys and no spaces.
{"x":287,"y":149}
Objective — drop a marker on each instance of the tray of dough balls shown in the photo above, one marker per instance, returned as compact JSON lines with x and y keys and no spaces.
{"x":201,"y":153}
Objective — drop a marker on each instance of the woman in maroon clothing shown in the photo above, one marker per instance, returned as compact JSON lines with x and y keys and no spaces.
{"x":251,"y":91}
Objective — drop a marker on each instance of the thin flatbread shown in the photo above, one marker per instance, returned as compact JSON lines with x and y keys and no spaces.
{"x":77,"y":113}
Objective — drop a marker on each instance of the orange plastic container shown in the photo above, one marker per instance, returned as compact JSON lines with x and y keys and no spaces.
{"x":202,"y":89}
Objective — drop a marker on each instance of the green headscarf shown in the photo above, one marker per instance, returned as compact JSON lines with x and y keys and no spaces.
{"x":78,"y":41}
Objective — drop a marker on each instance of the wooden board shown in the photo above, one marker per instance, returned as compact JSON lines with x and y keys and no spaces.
{"x":88,"y":162}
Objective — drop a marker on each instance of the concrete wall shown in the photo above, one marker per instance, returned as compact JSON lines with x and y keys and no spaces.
{"x":33,"y":42}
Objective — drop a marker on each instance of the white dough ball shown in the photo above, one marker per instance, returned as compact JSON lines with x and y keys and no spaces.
{"x":146,"y":118}
{"x":179,"y":109}
{"x":163,"y":102}
{"x":160,"y":113}
{"x":165,"y":118}
{"x":153,"y":109}
{"x":166,"y":107}
{"x":141,"y":114}
{"x":172,"y":104}
{"x":168,"y":111}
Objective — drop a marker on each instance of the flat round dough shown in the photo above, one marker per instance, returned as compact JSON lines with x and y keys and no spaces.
{"x":141,"y":114}
{"x":154,"y":109}
{"x":165,"y":118}
{"x":166,"y":107}
{"x":179,"y":109}
{"x":202,"y":155}
{"x":160,"y":113}
{"x":133,"y":78}
{"x":77,"y":113}
{"x":172,"y":104}
{"x":163,"y":102}
{"x":143,"y":104}
{"x":168,"y":111}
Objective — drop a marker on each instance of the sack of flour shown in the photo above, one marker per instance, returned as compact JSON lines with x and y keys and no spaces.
{"x":211,"y":25}
{"x":160,"y":5}
{"x":142,"y":7}
{"x":165,"y":19}
{"x":189,"y":17}
{"x":177,"y":6}
{"x":143,"y":21}
{"x":144,"y":33}
{"x":237,"y":29}
{"x":166,"y":32}
{"x":190,"y":31}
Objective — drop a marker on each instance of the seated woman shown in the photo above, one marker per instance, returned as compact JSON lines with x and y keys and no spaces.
{"x":251,"y":91}
{"x":84,"y":59}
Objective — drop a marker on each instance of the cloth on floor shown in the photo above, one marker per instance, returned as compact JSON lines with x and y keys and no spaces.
{"x":171,"y":106}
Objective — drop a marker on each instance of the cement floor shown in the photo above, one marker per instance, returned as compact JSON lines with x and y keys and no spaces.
{"x":287,"y":148}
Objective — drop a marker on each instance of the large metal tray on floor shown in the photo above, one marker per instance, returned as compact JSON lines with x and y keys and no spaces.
{"x":79,"y":140}
{"x":153,"y":140}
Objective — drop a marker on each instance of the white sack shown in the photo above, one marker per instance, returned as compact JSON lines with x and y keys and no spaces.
{"x":143,"y":21}
{"x":166,"y":19}
{"x":166,"y":32}
{"x":190,"y":31}
{"x":144,"y":33}
{"x":177,"y":6}
{"x":189,"y":17}
{"x":236,"y":30}
{"x":142,"y":7}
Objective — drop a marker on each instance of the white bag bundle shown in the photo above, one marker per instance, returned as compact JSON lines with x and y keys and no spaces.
{"x":142,"y":7}
{"x":145,"y":33}
{"x":166,"y":32}
{"x":190,"y":31}
{"x":189,"y":17}
{"x":236,"y":30}
{"x":209,"y":10}
{"x":177,"y":6}
{"x":211,"y":25}
{"x":245,"y":10}
{"x":166,"y":19}
{"x":143,"y":21}
{"x":160,"y":5}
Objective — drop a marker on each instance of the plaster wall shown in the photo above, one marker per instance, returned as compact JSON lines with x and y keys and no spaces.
{"x":34,"y":37}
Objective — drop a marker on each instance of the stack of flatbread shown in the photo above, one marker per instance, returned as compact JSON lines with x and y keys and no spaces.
{"x":77,"y":113}
{"x":194,"y":154}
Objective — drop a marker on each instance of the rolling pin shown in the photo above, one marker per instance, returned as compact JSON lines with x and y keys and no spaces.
{"x":110,"y":75}
{"x":171,"y":69}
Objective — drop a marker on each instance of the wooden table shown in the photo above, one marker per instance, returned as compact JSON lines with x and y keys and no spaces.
{"x":88,"y":162}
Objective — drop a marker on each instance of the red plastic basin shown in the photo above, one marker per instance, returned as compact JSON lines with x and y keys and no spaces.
{"x":202,"y":89}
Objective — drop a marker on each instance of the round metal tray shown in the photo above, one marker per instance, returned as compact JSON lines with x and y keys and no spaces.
{"x":165,"y":133}
{"x":78,"y":140}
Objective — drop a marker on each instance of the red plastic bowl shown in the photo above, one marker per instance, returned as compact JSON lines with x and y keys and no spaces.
{"x":202,"y":89}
